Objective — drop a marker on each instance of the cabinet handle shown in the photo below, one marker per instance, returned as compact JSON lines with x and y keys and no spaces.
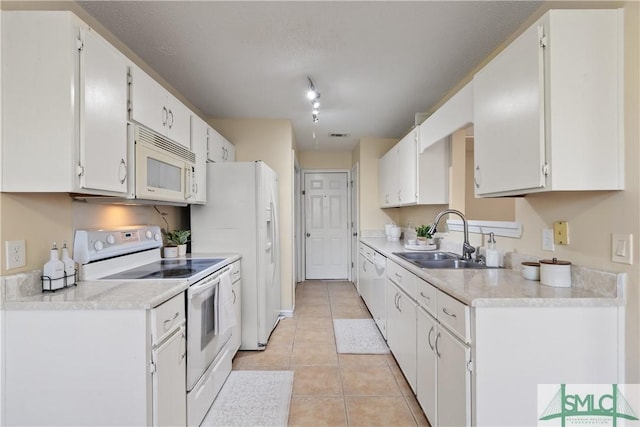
{"x":398,"y":303}
{"x":428,"y":298}
{"x":165,"y":116}
{"x":184,"y":340}
{"x":477,"y":178}
{"x":123,"y":167}
{"x":433,"y":328}
{"x":444,"y":310}
{"x":234,"y":295}
{"x":399,"y":276}
{"x":437,"y":350}
{"x":171,"y":122}
{"x":175,"y":316}
{"x":364,"y":266}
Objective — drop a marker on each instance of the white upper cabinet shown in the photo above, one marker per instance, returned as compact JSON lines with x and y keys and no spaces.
{"x":408,"y":178}
{"x":548,"y":109}
{"x":455,"y":114}
{"x":66,"y":128}
{"x":153,"y":106}
{"x":199,"y":132}
{"x":219,"y":148}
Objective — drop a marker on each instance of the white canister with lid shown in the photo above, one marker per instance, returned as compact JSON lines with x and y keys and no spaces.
{"x":555,"y":273}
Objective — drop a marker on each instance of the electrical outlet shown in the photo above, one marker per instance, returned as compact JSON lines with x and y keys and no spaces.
{"x":547,"y":240}
{"x":15,"y":254}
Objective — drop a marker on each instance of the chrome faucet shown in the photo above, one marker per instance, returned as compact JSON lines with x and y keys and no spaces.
{"x":467,"y":249}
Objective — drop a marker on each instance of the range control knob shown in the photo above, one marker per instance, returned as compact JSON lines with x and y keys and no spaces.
{"x":98,"y":246}
{"x":156,"y":237}
{"x":148,"y":234}
{"x":111,"y":239}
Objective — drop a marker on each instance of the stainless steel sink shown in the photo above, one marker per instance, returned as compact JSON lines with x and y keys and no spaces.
{"x":438,"y":260}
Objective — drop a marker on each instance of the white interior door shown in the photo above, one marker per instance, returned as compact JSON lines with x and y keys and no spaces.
{"x":354,"y":223}
{"x":327,"y":225}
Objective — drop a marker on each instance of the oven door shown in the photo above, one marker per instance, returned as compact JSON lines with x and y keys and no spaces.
{"x":203,"y":340}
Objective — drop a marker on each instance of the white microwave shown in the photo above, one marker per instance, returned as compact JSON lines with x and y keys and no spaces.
{"x":164,"y":170}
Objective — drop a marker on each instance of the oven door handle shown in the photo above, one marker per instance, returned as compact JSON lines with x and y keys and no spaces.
{"x":198,"y":289}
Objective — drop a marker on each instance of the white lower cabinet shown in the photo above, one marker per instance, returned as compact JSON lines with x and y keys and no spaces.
{"x":401,"y":330}
{"x":169,"y":358}
{"x":427,"y":364}
{"x":236,"y":289}
{"x":443,"y":373}
{"x":453,"y":379}
{"x":91,"y":367}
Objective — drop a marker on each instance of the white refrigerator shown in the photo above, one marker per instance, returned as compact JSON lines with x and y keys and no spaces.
{"x":241,"y":215}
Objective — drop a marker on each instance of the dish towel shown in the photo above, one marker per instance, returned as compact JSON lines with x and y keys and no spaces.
{"x":227,"y":317}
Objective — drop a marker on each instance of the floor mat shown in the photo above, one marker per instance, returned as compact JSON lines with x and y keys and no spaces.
{"x":358,"y":336}
{"x":252,"y":398}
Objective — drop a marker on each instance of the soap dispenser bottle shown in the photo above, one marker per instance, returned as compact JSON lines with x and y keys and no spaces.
{"x":53,"y":271}
{"x":69,"y":266}
{"x":493,"y":255}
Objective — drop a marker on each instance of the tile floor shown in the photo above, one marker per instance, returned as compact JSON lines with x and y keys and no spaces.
{"x":331,"y":389}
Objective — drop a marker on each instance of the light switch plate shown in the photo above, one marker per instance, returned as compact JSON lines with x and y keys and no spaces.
{"x":547,"y":240}
{"x":15,"y":254}
{"x":622,"y":248}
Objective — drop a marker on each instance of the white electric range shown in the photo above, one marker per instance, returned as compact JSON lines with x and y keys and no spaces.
{"x":133,"y":253}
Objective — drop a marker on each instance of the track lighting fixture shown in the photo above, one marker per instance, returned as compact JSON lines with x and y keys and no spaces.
{"x":313,"y":96}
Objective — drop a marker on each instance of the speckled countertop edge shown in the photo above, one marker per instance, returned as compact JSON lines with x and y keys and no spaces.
{"x":23,"y":291}
{"x":501,"y":287}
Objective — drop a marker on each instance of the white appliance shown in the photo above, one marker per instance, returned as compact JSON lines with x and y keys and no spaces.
{"x":132,"y":253}
{"x":164,"y":170}
{"x":241,"y":215}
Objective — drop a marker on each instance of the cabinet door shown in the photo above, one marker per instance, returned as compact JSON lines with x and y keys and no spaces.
{"x":508,"y":99}
{"x":169,"y":381}
{"x":199,"y":147}
{"x":401,"y":331}
{"x":236,"y":337}
{"x":148,"y":101}
{"x":426,"y":364}
{"x":215,"y":149}
{"x":103,"y":115}
{"x":407,"y":168}
{"x":387,"y":178}
{"x":229,"y":151}
{"x":454,"y":380}
{"x":178,"y":122}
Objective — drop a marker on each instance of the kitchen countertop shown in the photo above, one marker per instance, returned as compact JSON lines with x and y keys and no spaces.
{"x":103,"y":294}
{"x":499,"y":287}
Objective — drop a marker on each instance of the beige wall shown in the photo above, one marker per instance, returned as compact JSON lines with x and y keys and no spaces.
{"x":272,"y":142}
{"x":367,"y":153}
{"x":324,"y":159}
{"x":43,"y":218}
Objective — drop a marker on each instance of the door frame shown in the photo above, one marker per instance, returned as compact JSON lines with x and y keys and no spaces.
{"x":354,"y":181}
{"x":303,"y":216}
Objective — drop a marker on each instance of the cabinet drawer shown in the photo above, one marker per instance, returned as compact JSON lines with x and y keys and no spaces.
{"x":454,"y":315}
{"x":166,"y":317}
{"x":235,"y":271}
{"x":426,"y":296}
{"x":366,"y":251}
{"x":403,"y":278}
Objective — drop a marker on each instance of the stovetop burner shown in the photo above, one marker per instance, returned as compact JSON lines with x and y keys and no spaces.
{"x":167,"y":269}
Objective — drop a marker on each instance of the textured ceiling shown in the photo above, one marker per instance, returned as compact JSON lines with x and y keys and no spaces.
{"x":376,"y":64}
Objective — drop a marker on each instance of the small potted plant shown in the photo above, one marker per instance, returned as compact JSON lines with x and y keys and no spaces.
{"x":179,"y":239}
{"x":424,"y":235}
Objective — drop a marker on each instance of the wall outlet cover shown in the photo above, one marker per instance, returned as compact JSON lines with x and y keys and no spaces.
{"x":15,"y":254}
{"x":561,"y":233}
{"x":547,"y":240}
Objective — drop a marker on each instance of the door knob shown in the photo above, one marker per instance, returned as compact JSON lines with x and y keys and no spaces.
{"x":308,"y":234}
